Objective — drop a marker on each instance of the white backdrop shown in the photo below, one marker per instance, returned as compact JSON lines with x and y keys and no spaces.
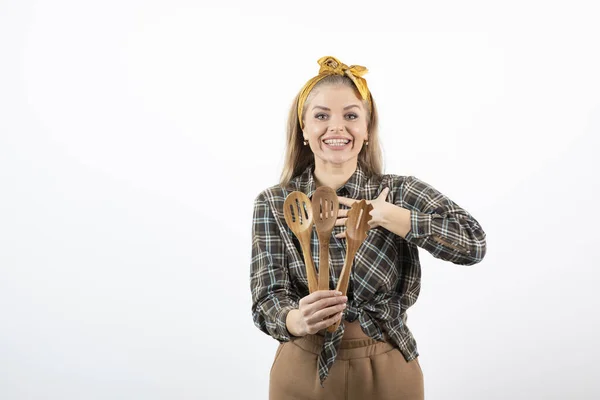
{"x":134,"y":136}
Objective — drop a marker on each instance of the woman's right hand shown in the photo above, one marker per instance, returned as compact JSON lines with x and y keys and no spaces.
{"x":316,"y":312}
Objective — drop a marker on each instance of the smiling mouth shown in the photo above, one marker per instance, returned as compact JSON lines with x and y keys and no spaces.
{"x":337,"y":142}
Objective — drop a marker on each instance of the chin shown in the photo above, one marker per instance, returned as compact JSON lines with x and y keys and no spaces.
{"x":339,"y":160}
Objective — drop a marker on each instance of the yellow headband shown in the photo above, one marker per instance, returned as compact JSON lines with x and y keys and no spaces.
{"x":333,"y":66}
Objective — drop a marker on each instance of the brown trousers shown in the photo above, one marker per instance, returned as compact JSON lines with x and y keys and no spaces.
{"x":365,"y":369}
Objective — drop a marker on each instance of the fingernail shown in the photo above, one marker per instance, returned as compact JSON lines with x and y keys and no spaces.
{"x":338,"y":293}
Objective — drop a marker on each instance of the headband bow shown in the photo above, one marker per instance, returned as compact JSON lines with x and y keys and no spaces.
{"x":333,"y":66}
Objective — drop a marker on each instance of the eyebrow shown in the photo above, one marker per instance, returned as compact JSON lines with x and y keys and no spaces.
{"x":328,"y":109}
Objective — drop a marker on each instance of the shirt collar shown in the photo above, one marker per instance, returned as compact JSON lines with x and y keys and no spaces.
{"x":352,"y":188}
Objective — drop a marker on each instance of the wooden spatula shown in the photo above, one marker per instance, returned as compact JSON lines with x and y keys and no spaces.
{"x":325,"y":206}
{"x":298,"y":214}
{"x":357,"y":226}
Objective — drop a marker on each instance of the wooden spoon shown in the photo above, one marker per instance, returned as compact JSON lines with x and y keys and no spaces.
{"x":326,"y":206}
{"x":357,"y":226}
{"x":298,"y":214}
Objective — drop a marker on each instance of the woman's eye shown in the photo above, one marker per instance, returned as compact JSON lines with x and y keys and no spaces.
{"x":322,"y":116}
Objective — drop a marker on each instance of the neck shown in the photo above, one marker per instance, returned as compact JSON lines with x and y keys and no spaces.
{"x":334,"y":175}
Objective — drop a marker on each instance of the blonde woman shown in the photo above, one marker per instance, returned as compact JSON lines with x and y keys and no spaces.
{"x":332,"y":140}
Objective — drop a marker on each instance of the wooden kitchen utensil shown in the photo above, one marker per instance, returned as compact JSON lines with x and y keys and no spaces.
{"x":357,"y":226}
{"x":297,"y":210}
{"x":325,"y":206}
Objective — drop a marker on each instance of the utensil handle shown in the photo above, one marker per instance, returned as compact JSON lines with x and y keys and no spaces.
{"x":324,"y":265}
{"x":311,"y":272}
{"x":342,"y":285}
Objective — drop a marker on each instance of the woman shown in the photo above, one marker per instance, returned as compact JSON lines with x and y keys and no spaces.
{"x":332,"y":140}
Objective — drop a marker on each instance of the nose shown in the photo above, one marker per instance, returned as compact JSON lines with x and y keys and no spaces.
{"x":336,"y":125}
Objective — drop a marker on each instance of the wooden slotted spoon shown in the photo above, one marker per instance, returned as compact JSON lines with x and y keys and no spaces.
{"x":298,"y":214}
{"x":357,"y":226}
{"x":325,"y":205}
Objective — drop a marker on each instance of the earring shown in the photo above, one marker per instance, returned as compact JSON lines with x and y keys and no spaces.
{"x":366,"y":142}
{"x":306,"y":142}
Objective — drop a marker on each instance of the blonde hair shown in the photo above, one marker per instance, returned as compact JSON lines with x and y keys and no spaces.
{"x":298,"y":157}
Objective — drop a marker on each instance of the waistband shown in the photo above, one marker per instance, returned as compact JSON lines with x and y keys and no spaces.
{"x":349,"y":348}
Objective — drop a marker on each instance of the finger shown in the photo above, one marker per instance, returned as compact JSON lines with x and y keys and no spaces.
{"x":341,"y":235}
{"x":326,"y":323}
{"x":319,"y":295}
{"x":324,"y":309}
{"x":346,"y":201}
{"x":384,"y":193}
{"x":341,"y":222}
{"x":330,"y":302}
{"x":342,"y":212}
{"x":326,"y":313}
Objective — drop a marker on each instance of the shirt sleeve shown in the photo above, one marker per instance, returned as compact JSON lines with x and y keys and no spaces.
{"x":439,"y":225}
{"x":272,"y":295}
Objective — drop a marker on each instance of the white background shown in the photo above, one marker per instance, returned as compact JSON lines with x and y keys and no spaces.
{"x":135,"y":135}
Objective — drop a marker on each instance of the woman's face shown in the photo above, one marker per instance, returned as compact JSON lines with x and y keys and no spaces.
{"x":335,"y":124}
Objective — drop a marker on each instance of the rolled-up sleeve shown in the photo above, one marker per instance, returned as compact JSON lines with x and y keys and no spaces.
{"x":272,"y":297}
{"x":439,"y":225}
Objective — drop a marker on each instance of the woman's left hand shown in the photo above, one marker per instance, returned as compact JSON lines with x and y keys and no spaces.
{"x":378,"y":213}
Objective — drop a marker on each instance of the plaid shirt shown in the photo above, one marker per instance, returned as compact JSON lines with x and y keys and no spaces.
{"x":385,"y":278}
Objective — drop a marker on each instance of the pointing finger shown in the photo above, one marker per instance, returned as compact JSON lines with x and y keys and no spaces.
{"x":346,"y":201}
{"x":384,"y":192}
{"x":341,"y":221}
{"x":341,"y":235}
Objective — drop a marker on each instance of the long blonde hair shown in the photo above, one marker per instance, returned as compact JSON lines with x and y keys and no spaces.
{"x":298,"y":157}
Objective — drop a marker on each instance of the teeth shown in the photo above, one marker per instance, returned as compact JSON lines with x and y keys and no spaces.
{"x":337,"y":142}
